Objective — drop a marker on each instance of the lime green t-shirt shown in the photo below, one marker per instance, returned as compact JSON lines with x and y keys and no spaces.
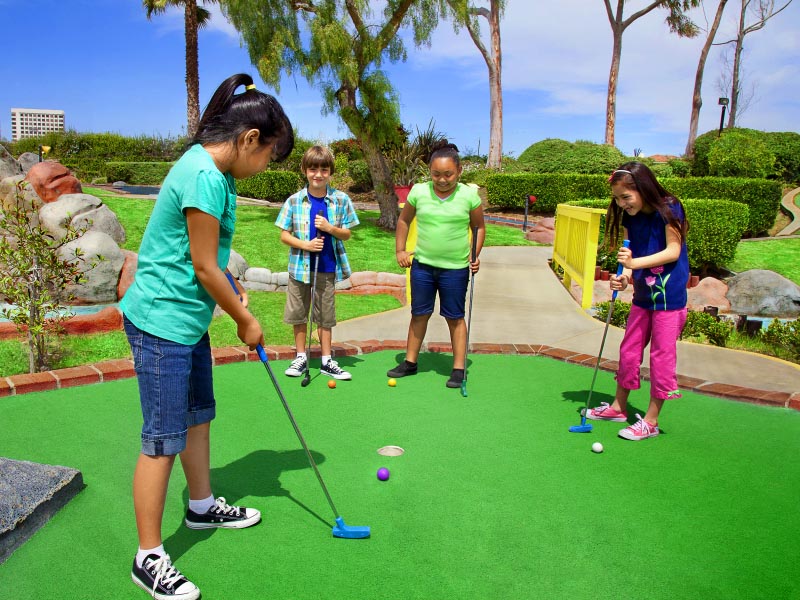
{"x":443,"y":225}
{"x":165,"y":298}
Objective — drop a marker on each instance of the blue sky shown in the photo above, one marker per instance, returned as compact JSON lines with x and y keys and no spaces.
{"x":110,"y":69}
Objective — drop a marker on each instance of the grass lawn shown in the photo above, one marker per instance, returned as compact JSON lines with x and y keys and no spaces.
{"x":781,"y":256}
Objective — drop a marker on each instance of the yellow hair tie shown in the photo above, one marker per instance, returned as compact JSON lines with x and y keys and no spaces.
{"x":252,"y":86}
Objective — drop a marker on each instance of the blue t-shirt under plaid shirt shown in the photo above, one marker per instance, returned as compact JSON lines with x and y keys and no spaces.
{"x":295,"y":217}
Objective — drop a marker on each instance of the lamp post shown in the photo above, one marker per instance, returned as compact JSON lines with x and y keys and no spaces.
{"x":723,"y":102}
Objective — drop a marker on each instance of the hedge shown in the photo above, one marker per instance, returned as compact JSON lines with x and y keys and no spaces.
{"x":138,"y":173}
{"x":715,"y":229}
{"x":274,"y":186}
{"x":509,"y":190}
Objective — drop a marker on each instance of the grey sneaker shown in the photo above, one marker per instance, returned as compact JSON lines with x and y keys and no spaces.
{"x":297,"y":368}
{"x":332,"y":369}
{"x":404,"y":369}
{"x":158,"y":577}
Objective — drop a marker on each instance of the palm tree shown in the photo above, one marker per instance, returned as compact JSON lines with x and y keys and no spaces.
{"x":195,"y":17}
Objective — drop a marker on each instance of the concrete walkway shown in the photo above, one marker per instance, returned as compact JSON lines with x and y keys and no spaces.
{"x":519,"y":300}
{"x":788,"y":203}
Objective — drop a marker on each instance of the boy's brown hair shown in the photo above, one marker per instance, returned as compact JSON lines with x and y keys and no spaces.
{"x":317,"y":156}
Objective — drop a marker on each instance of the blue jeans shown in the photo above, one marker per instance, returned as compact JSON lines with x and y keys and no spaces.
{"x":451,"y":285}
{"x":175,"y":388}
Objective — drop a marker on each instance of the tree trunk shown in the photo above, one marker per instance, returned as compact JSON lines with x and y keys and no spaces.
{"x":378,"y":167}
{"x":697,"y":98}
{"x":613,"y":75}
{"x":495,"y":158}
{"x":192,"y":73}
{"x":737,"y":65}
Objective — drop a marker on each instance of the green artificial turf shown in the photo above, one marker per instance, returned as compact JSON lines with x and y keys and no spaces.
{"x":494,"y":497}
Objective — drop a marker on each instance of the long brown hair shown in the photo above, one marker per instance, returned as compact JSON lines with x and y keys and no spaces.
{"x":636,"y":176}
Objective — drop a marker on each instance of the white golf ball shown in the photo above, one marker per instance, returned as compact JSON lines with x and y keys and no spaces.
{"x":597,"y":447}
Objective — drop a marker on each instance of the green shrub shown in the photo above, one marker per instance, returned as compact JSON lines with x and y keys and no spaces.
{"x":559,"y":156}
{"x":715,"y":228}
{"x":784,"y":145}
{"x":138,"y":173}
{"x":349,"y":148}
{"x":620,"y":316}
{"x":784,"y":335}
{"x":739,"y":155}
{"x":705,"y":325}
{"x":274,"y":186}
{"x":550,"y":189}
{"x":359,"y":173}
{"x":680,"y":167}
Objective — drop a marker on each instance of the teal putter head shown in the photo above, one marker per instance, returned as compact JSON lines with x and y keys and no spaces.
{"x":351,"y":532}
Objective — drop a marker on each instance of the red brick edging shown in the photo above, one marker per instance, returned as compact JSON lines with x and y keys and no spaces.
{"x":123,"y":368}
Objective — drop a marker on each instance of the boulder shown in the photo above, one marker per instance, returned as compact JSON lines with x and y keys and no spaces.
{"x":30,"y":201}
{"x":543,"y":231}
{"x":82,"y":211}
{"x":101,"y":281}
{"x":51,"y":180}
{"x":26,"y":161}
{"x":8,"y":165}
{"x":258,"y":275}
{"x":764,"y":293}
{"x":709,"y":292}
{"x":237,"y":265}
{"x":127,"y":273}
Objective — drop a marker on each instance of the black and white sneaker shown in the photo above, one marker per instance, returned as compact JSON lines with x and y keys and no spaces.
{"x":224,"y":516}
{"x":159,"y":578}
{"x":332,"y":369}
{"x":297,"y":368}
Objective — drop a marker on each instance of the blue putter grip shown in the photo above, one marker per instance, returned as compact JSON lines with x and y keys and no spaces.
{"x":625,"y":244}
{"x":260,"y":349}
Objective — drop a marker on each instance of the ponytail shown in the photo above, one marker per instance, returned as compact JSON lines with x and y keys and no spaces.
{"x":229,"y":114}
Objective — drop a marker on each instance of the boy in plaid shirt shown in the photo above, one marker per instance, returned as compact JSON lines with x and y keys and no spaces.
{"x":315,"y":222}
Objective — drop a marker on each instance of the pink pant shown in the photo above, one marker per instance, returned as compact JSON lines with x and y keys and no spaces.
{"x":661,"y":329}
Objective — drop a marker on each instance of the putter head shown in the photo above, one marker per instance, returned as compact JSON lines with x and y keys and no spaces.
{"x":585,"y":428}
{"x":355,"y":532}
{"x":306,"y":380}
{"x":464,"y":388}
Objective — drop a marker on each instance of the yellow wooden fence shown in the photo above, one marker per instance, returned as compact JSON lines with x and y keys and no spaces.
{"x":575,"y":246}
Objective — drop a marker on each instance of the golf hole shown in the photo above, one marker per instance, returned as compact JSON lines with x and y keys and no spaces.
{"x":391,"y":451}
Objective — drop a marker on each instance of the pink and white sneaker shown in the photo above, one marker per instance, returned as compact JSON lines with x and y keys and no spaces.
{"x":604,"y":412}
{"x":639,"y":430}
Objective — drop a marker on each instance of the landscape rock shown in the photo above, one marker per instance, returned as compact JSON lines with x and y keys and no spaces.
{"x":82,"y":211}
{"x":127,"y":273}
{"x":51,"y":180}
{"x":763,"y":293}
{"x":258,"y":275}
{"x":26,"y":161}
{"x":237,"y":265}
{"x":30,"y":201}
{"x":8,"y":164}
{"x":709,"y":292}
{"x":101,"y":282}
{"x":543,"y":231}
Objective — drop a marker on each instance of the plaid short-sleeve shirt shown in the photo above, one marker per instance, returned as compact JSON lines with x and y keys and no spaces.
{"x":295,"y":217}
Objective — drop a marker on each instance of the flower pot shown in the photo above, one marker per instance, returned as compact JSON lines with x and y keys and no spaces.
{"x":597,"y":273}
{"x":402,"y":193}
{"x":605,"y":275}
{"x":693,"y":281}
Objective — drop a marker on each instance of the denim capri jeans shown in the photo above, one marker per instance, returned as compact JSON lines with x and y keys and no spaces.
{"x":175,"y":388}
{"x":451,"y":284}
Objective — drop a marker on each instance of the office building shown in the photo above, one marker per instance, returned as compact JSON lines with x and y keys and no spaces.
{"x":33,"y":122}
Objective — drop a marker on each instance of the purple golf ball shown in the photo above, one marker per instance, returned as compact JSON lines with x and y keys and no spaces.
{"x":383,"y":473}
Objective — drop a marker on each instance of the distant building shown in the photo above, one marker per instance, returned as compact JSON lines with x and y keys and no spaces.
{"x":33,"y":122}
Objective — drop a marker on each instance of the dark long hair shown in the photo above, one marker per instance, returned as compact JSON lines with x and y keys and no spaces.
{"x":228,"y":115}
{"x":636,"y":176}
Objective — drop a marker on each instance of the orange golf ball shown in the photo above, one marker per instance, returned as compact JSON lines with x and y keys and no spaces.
{"x":331,"y":383}
{"x":392,"y":382}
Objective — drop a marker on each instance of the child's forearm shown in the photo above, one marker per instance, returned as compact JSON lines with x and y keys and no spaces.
{"x":668,"y":255}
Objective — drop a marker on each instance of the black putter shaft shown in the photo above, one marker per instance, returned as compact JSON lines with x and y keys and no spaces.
{"x":309,"y":327}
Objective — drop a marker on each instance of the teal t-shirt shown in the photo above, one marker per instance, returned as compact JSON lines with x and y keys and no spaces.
{"x":443,"y":225}
{"x":166,"y":299}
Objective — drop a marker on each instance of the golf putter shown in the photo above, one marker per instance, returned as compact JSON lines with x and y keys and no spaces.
{"x":309,"y":330}
{"x":469,"y":317}
{"x":340,"y":530}
{"x":585,"y":427}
